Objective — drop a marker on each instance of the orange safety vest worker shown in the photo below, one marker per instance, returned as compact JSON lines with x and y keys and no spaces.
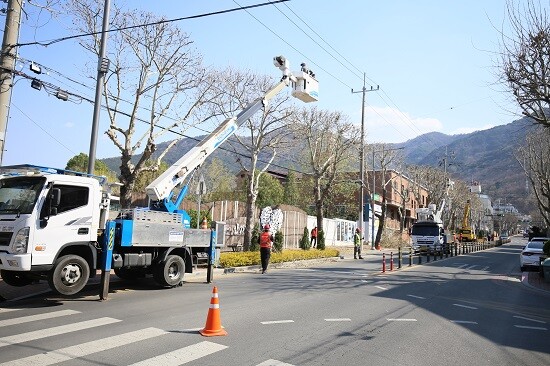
{"x":265,"y":240}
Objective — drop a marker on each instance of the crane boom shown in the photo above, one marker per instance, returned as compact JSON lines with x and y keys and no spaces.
{"x":160,"y":191}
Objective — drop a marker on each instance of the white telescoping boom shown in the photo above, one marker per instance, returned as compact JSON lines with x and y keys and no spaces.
{"x":160,"y":191}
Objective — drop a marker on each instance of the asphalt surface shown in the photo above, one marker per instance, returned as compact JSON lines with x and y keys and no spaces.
{"x":473,"y":309}
{"x":374,"y":257}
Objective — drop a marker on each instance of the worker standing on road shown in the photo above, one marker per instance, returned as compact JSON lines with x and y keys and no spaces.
{"x":357,"y":244}
{"x":266,"y":241}
{"x":313,"y":242}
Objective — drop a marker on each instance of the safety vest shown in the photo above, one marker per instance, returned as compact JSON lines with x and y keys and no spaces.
{"x":265,"y":240}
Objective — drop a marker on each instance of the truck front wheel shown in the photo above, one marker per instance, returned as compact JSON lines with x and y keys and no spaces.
{"x":69,"y":275}
{"x":170,"y":272}
{"x":16,"y":279}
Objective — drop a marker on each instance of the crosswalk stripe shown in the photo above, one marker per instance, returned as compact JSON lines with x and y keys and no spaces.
{"x":273,"y":363}
{"x":43,"y":333}
{"x":183,"y":355}
{"x":85,"y":349}
{"x":32,"y":318}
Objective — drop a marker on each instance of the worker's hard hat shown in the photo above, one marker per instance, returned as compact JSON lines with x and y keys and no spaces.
{"x":358,"y":230}
{"x":266,"y":227}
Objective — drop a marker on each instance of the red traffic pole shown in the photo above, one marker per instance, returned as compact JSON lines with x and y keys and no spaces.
{"x":383,"y":262}
{"x":391,"y":261}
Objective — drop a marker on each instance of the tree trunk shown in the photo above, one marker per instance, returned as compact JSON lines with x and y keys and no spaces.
{"x":250,"y":210}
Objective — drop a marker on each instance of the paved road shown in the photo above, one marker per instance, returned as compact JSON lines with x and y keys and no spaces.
{"x":467,"y":309}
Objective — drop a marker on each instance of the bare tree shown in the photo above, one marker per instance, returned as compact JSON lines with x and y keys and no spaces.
{"x":331,"y":142}
{"x":385,"y":159}
{"x":525,"y":58}
{"x":155,"y":73}
{"x":260,"y":137}
{"x":534,"y":158}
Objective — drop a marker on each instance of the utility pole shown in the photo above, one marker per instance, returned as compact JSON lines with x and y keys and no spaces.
{"x":102,"y":68}
{"x":364,"y":90}
{"x":11,"y":35}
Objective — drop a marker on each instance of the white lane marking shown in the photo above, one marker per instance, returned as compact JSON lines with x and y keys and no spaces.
{"x":527,"y":327}
{"x":338,"y":320}
{"x":7,"y":310}
{"x":32,"y":318}
{"x":485,"y":268}
{"x":274,"y":363}
{"x":472,"y":266}
{"x":513,"y":279}
{"x":365,"y":281}
{"x":277,"y":322}
{"x":183,"y":355}
{"x":381,"y":288}
{"x":529,"y":319}
{"x":466,"y":306}
{"x":43,"y":333}
{"x":401,"y":320}
{"x":463,"y":266}
{"x":463,"y":322}
{"x":192,"y":329}
{"x":88,"y":348}
{"x":417,"y":297}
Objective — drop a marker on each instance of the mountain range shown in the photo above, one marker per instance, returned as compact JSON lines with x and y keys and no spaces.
{"x":485,"y":156}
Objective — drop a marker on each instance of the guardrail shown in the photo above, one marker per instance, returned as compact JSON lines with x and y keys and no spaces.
{"x":450,"y":250}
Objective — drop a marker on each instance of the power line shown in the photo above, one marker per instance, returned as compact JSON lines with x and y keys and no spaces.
{"x":62,"y":39}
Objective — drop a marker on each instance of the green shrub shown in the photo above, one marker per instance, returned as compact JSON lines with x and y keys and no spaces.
{"x":278,"y":241}
{"x":305,"y":243}
{"x":255,"y":241}
{"x":321,"y":240}
{"x":238,"y":259}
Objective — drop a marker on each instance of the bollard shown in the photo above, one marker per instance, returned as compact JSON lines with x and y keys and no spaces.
{"x":419,"y":258}
{"x":391,"y":261}
{"x":456,"y":249}
{"x":383,"y":262}
{"x":400,"y":259}
{"x":435,"y":254}
{"x":410,"y":257}
{"x":427,"y":256}
{"x":446,"y":252}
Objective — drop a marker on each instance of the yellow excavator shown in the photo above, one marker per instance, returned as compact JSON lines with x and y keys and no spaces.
{"x":466,"y":232}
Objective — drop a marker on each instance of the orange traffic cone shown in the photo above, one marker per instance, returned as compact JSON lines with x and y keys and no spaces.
{"x":213,"y":325}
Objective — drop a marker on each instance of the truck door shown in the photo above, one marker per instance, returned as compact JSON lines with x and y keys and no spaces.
{"x":71,"y":224}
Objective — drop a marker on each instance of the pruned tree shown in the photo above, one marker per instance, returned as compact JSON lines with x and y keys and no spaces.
{"x":525,"y":55}
{"x":155,"y":83}
{"x":331,"y":142}
{"x":258,"y":139}
{"x":534,"y":158}
{"x":385,"y":159}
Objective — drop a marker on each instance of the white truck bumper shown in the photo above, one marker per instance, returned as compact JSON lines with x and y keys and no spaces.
{"x":15,"y":262}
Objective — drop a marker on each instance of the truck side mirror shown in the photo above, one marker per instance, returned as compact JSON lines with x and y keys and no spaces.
{"x":55,"y":197}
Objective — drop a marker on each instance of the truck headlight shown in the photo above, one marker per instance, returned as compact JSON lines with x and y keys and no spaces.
{"x":21,"y":241}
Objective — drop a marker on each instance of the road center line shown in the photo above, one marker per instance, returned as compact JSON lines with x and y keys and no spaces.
{"x":381,"y":288}
{"x":417,"y":297}
{"x":527,"y":327}
{"x":463,"y":322}
{"x":466,"y":306}
{"x":338,"y":320}
{"x":401,"y":320}
{"x":277,"y":322}
{"x":529,"y":319}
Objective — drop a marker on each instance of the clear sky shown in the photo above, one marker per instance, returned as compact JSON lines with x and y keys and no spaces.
{"x":434,"y":61}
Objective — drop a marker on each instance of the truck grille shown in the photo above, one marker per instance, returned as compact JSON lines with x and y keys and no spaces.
{"x":5,"y":238}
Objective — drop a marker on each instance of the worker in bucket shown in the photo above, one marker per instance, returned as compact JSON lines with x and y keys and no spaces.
{"x":357,"y":239}
{"x":266,"y":241}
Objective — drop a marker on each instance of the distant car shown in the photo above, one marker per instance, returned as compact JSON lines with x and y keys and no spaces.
{"x":504,"y":236}
{"x":530,"y":255}
{"x":526,"y":234}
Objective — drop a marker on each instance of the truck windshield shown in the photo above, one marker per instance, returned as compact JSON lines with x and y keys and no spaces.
{"x":19,"y":194}
{"x":423,"y":230}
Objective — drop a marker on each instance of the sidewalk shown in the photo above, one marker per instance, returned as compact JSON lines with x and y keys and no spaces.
{"x":534,"y":280}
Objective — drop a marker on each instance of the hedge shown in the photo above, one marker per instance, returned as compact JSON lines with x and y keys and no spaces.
{"x":238,"y":259}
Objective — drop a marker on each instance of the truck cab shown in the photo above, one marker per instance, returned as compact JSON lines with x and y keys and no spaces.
{"x":45,"y":215}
